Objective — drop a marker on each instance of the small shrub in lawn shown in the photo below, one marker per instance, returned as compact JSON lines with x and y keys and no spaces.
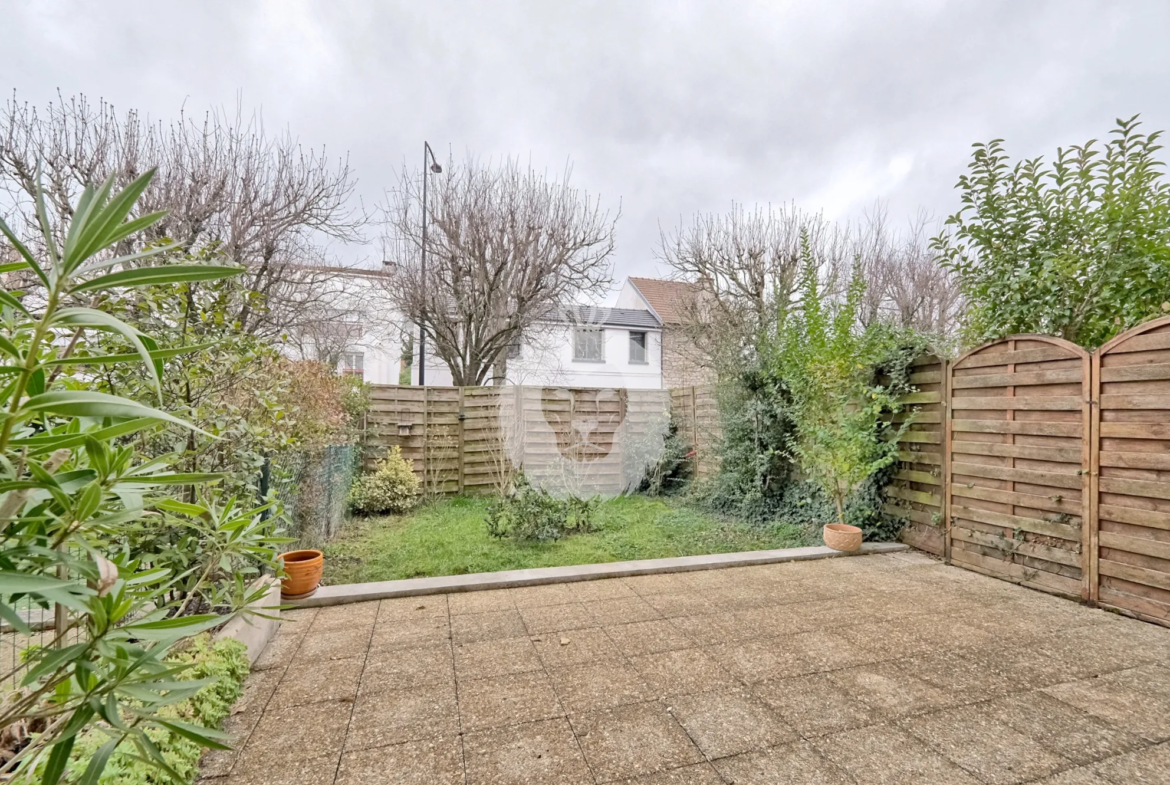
{"x":391,"y":488}
{"x":531,"y":513}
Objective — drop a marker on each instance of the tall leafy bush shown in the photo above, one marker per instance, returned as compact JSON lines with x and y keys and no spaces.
{"x":1077,"y":247}
{"x":827,"y":367}
{"x":79,"y":500}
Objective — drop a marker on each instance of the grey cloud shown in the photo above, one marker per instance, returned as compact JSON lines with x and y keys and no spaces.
{"x":669,"y":107}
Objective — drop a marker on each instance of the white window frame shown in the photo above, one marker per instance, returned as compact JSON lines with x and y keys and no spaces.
{"x":578,"y":346}
{"x":644,"y":347}
{"x":350,"y":368}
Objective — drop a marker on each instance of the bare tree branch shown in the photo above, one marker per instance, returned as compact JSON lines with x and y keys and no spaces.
{"x":261,"y":200}
{"x":505,"y":246}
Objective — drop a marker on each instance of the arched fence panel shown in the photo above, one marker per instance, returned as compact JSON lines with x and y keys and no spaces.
{"x":1131,"y":471}
{"x":916,"y":493}
{"x":1017,"y":461}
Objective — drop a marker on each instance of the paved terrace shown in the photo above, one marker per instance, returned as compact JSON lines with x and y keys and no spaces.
{"x":864,"y":671}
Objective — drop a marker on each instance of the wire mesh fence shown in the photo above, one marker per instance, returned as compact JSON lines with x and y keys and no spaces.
{"x":15,"y":646}
{"x":312,"y":489}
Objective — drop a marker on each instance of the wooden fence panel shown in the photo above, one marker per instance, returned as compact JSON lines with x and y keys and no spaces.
{"x":916,"y":493}
{"x":1017,"y":460}
{"x":460,"y":442}
{"x":1131,"y":472}
{"x":696,"y":410}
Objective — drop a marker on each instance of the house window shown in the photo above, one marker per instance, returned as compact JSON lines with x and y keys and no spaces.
{"x":353,"y":363}
{"x":637,"y":348}
{"x":589,"y":344}
{"x":513,"y":351}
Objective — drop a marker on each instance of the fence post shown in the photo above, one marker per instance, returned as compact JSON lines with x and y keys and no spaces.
{"x":462,"y":437}
{"x":695,"y":433}
{"x":1090,"y":539}
{"x":265,"y":482}
{"x":945,"y":367}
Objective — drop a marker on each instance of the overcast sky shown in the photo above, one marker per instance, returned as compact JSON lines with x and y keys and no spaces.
{"x":663,"y":108}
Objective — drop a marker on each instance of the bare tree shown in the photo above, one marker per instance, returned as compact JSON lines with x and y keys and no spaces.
{"x":505,"y":246}
{"x":905,"y":284}
{"x":745,"y":265}
{"x":262,"y":201}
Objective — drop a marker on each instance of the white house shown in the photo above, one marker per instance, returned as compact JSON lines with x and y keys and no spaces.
{"x":353,"y":325}
{"x":349,"y":322}
{"x":582,"y":346}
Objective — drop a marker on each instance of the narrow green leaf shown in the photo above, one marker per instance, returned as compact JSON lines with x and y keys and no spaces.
{"x":110,"y":359}
{"x":6,"y":298}
{"x":100,"y":229}
{"x":58,"y":759}
{"x":84,"y":403}
{"x":146,"y":253}
{"x":204,"y":737}
{"x":153,"y":276}
{"x":23,"y":250}
{"x":193,"y":478}
{"x":97,"y":763}
{"x":89,"y":317}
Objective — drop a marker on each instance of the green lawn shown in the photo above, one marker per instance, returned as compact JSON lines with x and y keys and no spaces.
{"x":450,"y":538}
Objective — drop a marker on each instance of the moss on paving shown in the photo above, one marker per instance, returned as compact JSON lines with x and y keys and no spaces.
{"x":450,"y":538}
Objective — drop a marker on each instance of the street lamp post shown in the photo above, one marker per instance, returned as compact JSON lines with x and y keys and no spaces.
{"x":422,"y":330}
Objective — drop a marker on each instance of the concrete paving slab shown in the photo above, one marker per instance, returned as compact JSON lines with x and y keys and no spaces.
{"x":591,"y":687}
{"x":507,"y":700}
{"x":426,"y":762}
{"x":964,"y":736}
{"x":630,"y":741}
{"x":397,"y":716}
{"x":575,"y":647}
{"x":730,"y":722}
{"x":535,"y":753}
{"x":682,"y":672}
{"x":791,"y":764}
{"x":815,"y":705}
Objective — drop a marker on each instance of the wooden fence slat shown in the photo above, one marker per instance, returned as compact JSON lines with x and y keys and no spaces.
{"x":1017,"y":427}
{"x":1053,"y":479}
{"x":1043,"y":403}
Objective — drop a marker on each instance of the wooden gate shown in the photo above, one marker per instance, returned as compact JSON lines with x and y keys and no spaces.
{"x":1018,"y":460}
{"x":1131,"y":463}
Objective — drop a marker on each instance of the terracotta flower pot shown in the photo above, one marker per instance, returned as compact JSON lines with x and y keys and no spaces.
{"x":842,"y":537}
{"x":303,"y":572}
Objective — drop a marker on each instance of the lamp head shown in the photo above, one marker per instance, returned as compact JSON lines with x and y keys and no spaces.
{"x":436,"y":168}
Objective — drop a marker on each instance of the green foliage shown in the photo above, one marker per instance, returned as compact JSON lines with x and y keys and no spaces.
{"x":225,"y":665}
{"x":828,"y":365}
{"x":531,"y":513}
{"x":248,"y":402}
{"x":671,"y":473}
{"x":754,"y":468}
{"x":1079,"y":247}
{"x":391,"y":488}
{"x":448,"y":537}
{"x":79,"y":498}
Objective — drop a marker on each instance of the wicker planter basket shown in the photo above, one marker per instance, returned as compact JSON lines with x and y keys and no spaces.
{"x":842,"y":537}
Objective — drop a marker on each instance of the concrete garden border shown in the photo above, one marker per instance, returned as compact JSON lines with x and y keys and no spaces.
{"x":255,"y":631}
{"x":510,"y":579}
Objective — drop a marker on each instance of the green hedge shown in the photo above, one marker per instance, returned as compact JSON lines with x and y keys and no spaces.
{"x":225,"y":661}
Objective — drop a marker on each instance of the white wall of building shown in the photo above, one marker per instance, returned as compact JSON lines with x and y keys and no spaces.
{"x":548,"y":360}
{"x":630,"y":297}
{"x":356,"y":321}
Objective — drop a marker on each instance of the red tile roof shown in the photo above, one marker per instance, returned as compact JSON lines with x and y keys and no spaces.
{"x":669,"y":299}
